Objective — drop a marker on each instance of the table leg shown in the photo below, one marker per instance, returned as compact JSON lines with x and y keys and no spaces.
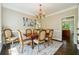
{"x":32,"y":44}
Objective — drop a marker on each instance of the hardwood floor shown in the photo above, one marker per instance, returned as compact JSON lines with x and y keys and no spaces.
{"x":5,"y":49}
{"x":68,"y":48}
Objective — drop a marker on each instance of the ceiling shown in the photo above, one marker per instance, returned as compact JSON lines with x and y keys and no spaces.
{"x":31,"y":8}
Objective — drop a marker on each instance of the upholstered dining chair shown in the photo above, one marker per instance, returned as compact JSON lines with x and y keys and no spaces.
{"x":47,"y":33}
{"x":47,"y":36}
{"x":47,"y":30}
{"x":50,"y":36}
{"x":9,"y":37}
{"x":36,"y":32}
{"x":28,"y":33}
{"x":41,"y":39}
{"x":22,"y":42}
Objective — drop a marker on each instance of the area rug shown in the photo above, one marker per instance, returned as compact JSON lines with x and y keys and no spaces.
{"x":48,"y":50}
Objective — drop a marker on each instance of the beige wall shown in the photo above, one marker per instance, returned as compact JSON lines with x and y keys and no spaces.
{"x":0,"y":30}
{"x":0,"y":22}
{"x":78,"y":20}
{"x":13,"y":19}
{"x":55,"y":22}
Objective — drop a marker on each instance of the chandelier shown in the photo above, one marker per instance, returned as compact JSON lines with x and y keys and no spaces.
{"x":41,"y":12}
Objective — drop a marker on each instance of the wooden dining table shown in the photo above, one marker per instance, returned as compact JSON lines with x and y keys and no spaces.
{"x":32,"y":37}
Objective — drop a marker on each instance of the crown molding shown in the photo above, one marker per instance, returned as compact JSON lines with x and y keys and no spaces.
{"x":61,"y":11}
{"x":15,"y":9}
{"x":28,"y":13}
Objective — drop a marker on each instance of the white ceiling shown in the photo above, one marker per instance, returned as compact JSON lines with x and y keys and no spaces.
{"x":31,"y":8}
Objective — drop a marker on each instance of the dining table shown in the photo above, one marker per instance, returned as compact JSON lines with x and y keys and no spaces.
{"x":32,"y":37}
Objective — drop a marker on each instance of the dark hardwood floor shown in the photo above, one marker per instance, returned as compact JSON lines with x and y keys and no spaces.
{"x":5,"y":49}
{"x":68,"y":48}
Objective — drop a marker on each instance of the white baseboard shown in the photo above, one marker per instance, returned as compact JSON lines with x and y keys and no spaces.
{"x":57,"y":39}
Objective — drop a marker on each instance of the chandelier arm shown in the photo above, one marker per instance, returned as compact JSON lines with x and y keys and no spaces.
{"x":41,"y":13}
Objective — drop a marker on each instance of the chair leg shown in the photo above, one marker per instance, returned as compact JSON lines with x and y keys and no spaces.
{"x":51,"y":41}
{"x":21,"y":49}
{"x":48,"y":42}
{"x":12,"y":42}
{"x":44,"y":45}
{"x":38,"y":48}
{"x":28,"y":50}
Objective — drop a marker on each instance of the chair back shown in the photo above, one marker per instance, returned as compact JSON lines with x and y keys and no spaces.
{"x":47,"y":30}
{"x":42,"y":35}
{"x":36,"y":31}
{"x":28,"y":32}
{"x":51,"y":33}
{"x":8,"y":33}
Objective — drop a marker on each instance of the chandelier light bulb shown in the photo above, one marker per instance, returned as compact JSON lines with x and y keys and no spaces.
{"x":41,"y":13}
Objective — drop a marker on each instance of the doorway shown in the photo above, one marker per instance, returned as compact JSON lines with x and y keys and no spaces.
{"x":68,"y":28}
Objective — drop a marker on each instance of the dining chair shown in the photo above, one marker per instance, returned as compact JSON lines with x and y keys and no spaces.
{"x":36,"y":33}
{"x":50,"y":36}
{"x":22,"y":42}
{"x":35,"y":30}
{"x":28,"y":33}
{"x":47,"y":30}
{"x":47,"y":34}
{"x":9,"y":37}
{"x":41,"y":39}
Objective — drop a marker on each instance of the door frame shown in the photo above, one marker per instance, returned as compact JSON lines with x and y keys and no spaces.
{"x":73,"y":20}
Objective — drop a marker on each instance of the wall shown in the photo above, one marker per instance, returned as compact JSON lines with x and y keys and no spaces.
{"x":78,"y":21}
{"x":76,"y":25}
{"x":10,"y":18}
{"x":54,"y":21}
{"x":0,"y":30}
{"x":13,"y":20}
